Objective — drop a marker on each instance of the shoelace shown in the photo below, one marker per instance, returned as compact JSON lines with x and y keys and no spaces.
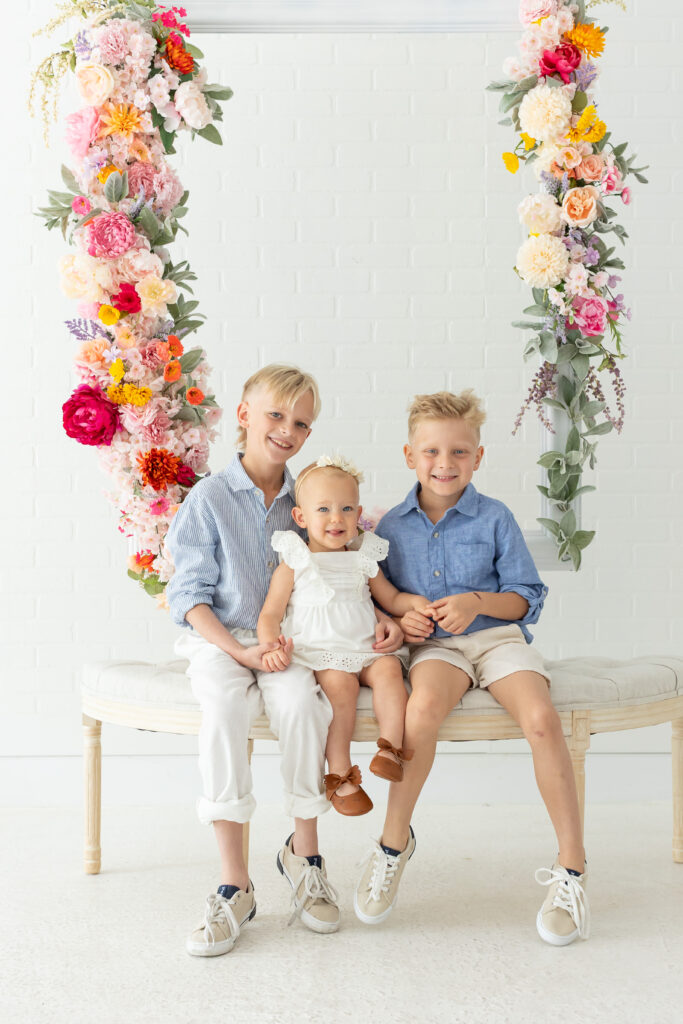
{"x":569,"y":896}
{"x":383,"y":870}
{"x":316,"y":887}
{"x":217,"y":910}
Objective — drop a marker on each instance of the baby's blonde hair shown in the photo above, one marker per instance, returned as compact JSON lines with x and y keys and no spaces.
{"x":287,"y":384}
{"x":444,"y":405}
{"x":328,"y":464}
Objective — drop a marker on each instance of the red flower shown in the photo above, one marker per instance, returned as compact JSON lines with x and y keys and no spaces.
{"x":564,"y":59}
{"x":186,"y":475}
{"x":89,"y":417}
{"x":172,"y":370}
{"x":127,"y":299}
{"x":195,"y":396}
{"x":158,"y":468}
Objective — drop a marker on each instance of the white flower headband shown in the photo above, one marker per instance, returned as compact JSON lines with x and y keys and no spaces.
{"x":340,"y":462}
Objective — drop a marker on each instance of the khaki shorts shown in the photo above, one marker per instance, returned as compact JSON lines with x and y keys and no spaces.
{"x":485,"y":656}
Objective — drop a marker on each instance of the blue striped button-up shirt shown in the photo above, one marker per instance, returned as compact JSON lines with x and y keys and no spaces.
{"x":476,"y":545}
{"x":219,"y":540}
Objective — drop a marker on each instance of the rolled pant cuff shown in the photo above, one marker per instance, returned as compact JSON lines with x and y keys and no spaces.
{"x":306,"y":806}
{"x":232,"y":810}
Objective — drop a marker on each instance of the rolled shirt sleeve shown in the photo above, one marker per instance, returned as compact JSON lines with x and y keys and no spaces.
{"x":192,"y":541}
{"x":516,"y":570}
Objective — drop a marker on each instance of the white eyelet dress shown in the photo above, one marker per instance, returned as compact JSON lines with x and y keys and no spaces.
{"x":330,"y":615}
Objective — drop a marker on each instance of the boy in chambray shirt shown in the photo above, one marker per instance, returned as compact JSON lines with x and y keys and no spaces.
{"x":466,"y":555}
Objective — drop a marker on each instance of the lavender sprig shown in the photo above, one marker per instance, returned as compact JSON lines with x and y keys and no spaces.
{"x":84,"y":330}
{"x":543,"y":385}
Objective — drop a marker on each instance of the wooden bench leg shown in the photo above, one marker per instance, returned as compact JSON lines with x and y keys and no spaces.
{"x":579,"y":742}
{"x":92,"y":763}
{"x":245,"y":830}
{"x":677,"y":779}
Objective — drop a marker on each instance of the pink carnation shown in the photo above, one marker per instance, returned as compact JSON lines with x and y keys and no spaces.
{"x":113,"y":43}
{"x":141,"y":175}
{"x":81,"y":130}
{"x":110,"y":235}
{"x":149,"y":356}
{"x":533,"y":10}
{"x":89,"y":417}
{"x":612,"y":179}
{"x":168,"y":188}
{"x":589,"y":315}
{"x":149,"y":423}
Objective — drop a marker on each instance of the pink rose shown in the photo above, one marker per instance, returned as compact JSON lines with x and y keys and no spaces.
{"x":626,"y":195}
{"x":589,"y":315}
{"x":185,"y":476}
{"x":81,"y":205}
{"x":89,"y":417}
{"x":560,"y":61}
{"x":141,"y":175}
{"x":533,"y":10}
{"x":81,"y":130}
{"x":110,"y":235}
{"x":591,"y":167}
{"x":612,"y":179}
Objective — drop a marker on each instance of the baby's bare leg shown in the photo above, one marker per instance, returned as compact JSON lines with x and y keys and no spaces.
{"x":389,"y":699}
{"x":341,"y":689}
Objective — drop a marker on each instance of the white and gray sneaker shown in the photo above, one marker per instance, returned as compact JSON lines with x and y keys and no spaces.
{"x":377,"y":889}
{"x":314,"y":898}
{"x":565,"y":915}
{"x":224,"y":915}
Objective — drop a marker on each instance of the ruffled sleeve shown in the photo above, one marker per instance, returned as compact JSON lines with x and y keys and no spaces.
{"x":372,"y":549}
{"x":291,"y":548}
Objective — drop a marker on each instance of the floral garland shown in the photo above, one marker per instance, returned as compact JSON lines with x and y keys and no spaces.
{"x":577,"y":312}
{"x":143,"y":397}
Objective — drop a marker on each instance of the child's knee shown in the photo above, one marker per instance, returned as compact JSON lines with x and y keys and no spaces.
{"x":540,"y":722}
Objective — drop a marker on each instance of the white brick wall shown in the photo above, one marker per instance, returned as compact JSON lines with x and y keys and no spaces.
{"x":358,"y":221}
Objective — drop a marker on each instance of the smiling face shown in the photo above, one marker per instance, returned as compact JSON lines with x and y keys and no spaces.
{"x":444,"y":454}
{"x":328,"y":508}
{"x":274,"y":432}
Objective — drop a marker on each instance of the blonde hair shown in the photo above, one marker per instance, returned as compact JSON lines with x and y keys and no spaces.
{"x":336,"y":463}
{"x":287,"y":384}
{"x":444,"y":405}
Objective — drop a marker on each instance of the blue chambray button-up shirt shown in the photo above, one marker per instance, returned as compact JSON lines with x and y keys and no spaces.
{"x":476,"y":545}
{"x":219,"y":540}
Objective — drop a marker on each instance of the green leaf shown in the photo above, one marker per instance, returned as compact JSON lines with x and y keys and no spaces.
{"x":148,"y":222}
{"x":194,"y":50}
{"x":134,"y":575}
{"x":551,"y":525}
{"x":549,"y":459}
{"x":554,"y":403}
{"x":566,"y":390}
{"x":218,"y":92}
{"x":566,"y":352}
{"x":579,"y":102}
{"x":188,"y":414}
{"x":584,"y":490}
{"x":113,"y":188}
{"x":190,"y":360}
{"x":535,"y":310}
{"x":153,"y":587}
{"x":591,"y":409}
{"x":539,"y":296}
{"x":601,"y":428}
{"x":167,"y":138}
{"x":548,"y":347}
{"x":573,"y":440}
{"x":581,"y":365}
{"x":500,"y":86}
{"x":69,"y":180}
{"x":568,"y":523}
{"x":211,"y":134}
{"x":574,"y":554}
{"x":526,"y":325}
{"x":582,"y":538}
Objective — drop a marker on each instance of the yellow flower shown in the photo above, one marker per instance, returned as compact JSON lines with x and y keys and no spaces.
{"x":128,"y":394}
{"x":105,"y":172}
{"x":589,"y":127}
{"x":121,"y":119}
{"x":117,"y":370}
{"x":588,"y":38}
{"x":108,"y":314}
{"x":511,"y":161}
{"x":529,"y":143}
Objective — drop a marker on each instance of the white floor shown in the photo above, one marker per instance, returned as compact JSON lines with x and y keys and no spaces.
{"x":461,"y":946}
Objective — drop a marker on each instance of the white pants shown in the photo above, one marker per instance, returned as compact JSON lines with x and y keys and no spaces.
{"x":231,"y":697}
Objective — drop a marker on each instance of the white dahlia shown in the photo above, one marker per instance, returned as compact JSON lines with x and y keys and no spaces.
{"x":540,"y":213}
{"x":545,"y":112}
{"x":542,"y":261}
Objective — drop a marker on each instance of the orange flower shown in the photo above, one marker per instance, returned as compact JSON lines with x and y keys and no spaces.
{"x":158,"y":468}
{"x":106,"y":171}
{"x":178,"y":57}
{"x":175,"y":345}
{"x":587,"y":38}
{"x":121,"y":119}
{"x":195,"y":396}
{"x":141,"y":560}
{"x":163,"y":351}
{"x":172,"y":370}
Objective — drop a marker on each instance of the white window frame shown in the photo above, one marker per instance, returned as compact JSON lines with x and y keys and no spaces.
{"x":298,"y":16}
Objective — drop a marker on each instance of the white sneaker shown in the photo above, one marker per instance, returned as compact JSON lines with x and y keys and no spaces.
{"x":223,"y":920}
{"x":377,"y":889}
{"x":565,"y":915}
{"x":314,"y":898}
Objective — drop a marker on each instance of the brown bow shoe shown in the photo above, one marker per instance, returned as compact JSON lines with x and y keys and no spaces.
{"x":386,"y":767}
{"x":354,"y":803}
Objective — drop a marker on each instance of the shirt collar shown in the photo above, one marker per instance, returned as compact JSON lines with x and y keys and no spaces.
{"x":467,"y":505}
{"x":239,"y":480}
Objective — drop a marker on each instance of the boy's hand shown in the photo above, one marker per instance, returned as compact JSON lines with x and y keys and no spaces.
{"x":417,"y":624}
{"x":388,"y":637}
{"x":455,"y":613}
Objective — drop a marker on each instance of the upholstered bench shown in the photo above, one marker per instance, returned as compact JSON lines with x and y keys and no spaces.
{"x":592,"y":695}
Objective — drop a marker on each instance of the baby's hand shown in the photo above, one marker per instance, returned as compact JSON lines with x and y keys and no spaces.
{"x":280,"y":658}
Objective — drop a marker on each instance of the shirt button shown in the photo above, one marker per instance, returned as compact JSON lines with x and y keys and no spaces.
{"x":436,"y":535}
{"x":270,"y":565}
{"x":437,"y":572}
